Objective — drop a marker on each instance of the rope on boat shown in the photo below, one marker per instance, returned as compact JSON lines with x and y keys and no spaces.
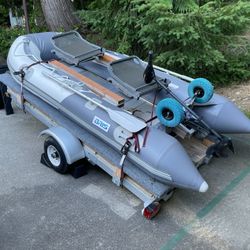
{"x":22,"y":73}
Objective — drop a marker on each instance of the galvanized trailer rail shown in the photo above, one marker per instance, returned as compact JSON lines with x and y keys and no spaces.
{"x":98,"y":153}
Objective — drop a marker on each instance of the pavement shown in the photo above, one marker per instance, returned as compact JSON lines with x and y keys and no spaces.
{"x":40,"y":209}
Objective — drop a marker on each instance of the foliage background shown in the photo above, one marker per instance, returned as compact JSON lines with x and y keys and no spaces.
{"x":7,"y":34}
{"x":206,"y":38}
{"x":197,"y":38}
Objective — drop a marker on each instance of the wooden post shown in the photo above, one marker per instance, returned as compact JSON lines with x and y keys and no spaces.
{"x":27,"y":25}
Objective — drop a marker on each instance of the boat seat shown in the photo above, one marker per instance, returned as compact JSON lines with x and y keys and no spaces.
{"x":127,"y":75}
{"x":40,"y":45}
{"x":72,"y":48}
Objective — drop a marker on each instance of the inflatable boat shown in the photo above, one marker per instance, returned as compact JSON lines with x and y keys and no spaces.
{"x":138,"y":109}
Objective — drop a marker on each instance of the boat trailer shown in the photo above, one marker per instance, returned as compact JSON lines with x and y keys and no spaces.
{"x":78,"y":146}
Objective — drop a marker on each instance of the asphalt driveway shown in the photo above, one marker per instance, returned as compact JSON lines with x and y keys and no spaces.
{"x":40,"y":209}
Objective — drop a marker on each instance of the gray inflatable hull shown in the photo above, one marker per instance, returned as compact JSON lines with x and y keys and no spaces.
{"x":163,"y":157}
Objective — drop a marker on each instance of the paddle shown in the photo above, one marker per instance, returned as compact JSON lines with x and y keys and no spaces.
{"x":125,"y":120}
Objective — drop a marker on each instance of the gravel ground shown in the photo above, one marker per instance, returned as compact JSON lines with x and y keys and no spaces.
{"x":239,"y":94}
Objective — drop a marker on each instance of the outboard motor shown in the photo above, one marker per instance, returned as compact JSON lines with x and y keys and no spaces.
{"x":149,"y":73}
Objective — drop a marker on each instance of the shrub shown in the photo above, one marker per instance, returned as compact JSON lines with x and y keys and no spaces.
{"x":7,"y":36}
{"x":198,"y":40}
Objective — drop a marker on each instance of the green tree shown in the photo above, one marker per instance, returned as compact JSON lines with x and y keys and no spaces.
{"x":59,"y":14}
{"x":198,"y":38}
{"x":7,"y":34}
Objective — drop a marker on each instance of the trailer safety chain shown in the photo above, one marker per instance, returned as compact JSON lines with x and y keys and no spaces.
{"x":21,"y":73}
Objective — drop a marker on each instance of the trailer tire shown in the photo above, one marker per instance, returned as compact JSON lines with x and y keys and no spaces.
{"x":55,"y":156}
{"x":3,"y":68}
{"x":1,"y":96}
{"x":205,"y":90}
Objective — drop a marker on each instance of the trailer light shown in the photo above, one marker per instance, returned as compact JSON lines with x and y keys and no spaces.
{"x":151,"y":211}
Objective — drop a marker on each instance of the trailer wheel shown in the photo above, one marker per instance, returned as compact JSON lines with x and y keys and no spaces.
{"x":55,"y":156}
{"x":202,"y":88}
{"x":5,"y":100}
{"x":1,"y":96}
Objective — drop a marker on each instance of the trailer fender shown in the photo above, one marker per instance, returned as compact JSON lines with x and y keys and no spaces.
{"x":71,"y":145}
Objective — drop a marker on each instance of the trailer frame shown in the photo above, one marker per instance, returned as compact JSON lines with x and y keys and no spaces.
{"x":75,"y":147}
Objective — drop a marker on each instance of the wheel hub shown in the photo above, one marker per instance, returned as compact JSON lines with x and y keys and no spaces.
{"x":167,"y":114}
{"x":53,"y":155}
{"x":199,"y":92}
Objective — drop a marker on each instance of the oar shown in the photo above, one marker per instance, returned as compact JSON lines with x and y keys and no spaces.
{"x":125,"y":120}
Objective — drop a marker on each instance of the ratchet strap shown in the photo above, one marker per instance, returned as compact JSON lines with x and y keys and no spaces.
{"x":125,"y":149}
